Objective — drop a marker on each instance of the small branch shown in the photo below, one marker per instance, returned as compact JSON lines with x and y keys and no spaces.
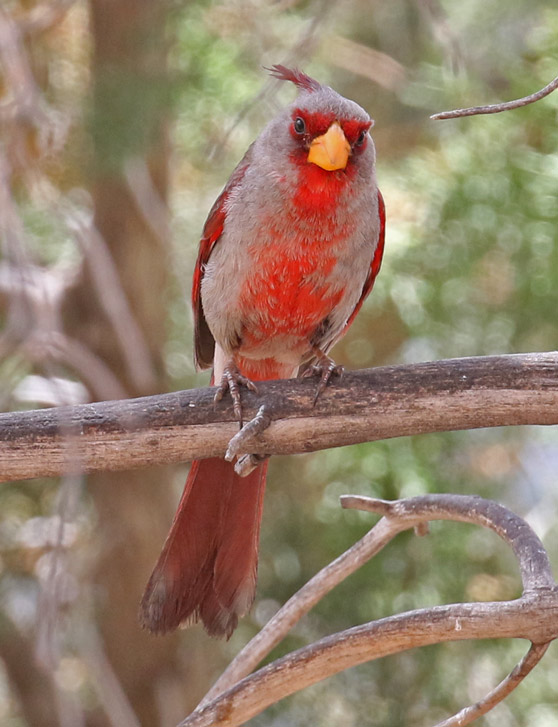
{"x":368,"y":405}
{"x":498,"y":107}
{"x":303,"y":601}
{"x":534,"y":618}
{"x":506,"y":687}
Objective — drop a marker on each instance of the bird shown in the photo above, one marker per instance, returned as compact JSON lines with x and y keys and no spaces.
{"x":289,"y":252}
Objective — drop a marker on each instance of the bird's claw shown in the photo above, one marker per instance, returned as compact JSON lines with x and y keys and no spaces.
{"x":231,"y":381}
{"x":325,"y":368}
{"x":251,"y":429}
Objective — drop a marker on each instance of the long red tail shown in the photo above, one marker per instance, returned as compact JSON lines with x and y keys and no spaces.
{"x":207,"y":569}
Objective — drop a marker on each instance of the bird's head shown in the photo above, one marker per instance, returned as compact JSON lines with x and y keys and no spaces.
{"x":324,"y":128}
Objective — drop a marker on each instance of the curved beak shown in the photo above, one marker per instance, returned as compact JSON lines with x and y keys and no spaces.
{"x":331,"y":150}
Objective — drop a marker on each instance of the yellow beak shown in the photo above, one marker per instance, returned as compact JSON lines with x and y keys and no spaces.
{"x":331,"y":150}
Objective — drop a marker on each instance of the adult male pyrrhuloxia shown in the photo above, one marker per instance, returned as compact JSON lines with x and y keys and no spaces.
{"x":289,"y":252}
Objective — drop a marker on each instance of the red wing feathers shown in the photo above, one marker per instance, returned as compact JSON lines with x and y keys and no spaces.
{"x":376,"y":261}
{"x":204,"y":343}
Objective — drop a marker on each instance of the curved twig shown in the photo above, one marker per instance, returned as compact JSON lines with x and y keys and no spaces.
{"x":498,"y":107}
{"x":241,"y":700}
{"x":534,"y":565}
{"x":506,"y":687}
{"x":531,"y":617}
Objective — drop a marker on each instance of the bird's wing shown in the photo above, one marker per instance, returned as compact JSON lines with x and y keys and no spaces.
{"x":374,"y":265}
{"x":204,"y":343}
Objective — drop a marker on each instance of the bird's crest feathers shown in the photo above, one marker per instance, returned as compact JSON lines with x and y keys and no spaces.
{"x":299,"y":78}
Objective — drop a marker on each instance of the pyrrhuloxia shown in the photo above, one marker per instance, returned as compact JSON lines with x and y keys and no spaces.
{"x":289,"y":252}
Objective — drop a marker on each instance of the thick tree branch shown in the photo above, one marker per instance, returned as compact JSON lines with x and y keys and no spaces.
{"x":534,"y":616}
{"x":368,"y":405}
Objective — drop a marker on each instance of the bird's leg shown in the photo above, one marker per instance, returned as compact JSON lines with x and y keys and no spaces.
{"x":325,"y":367}
{"x":231,"y":381}
{"x":241,"y":440}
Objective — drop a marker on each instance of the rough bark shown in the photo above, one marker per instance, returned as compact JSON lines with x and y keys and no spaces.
{"x":367,"y":405}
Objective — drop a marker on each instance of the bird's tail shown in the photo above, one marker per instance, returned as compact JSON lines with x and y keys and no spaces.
{"x":207,"y":569}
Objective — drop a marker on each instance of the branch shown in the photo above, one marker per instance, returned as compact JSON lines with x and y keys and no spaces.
{"x":498,"y":107}
{"x":513,"y":680}
{"x":398,"y":516}
{"x":368,"y":405}
{"x":533,"y":616}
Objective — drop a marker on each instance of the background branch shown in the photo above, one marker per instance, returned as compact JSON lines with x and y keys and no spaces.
{"x":498,"y":107}
{"x":397,"y":517}
{"x":506,"y":686}
{"x":533,"y":616}
{"x":368,"y":405}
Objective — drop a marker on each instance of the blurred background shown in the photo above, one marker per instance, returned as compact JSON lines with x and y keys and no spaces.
{"x":119,"y":124}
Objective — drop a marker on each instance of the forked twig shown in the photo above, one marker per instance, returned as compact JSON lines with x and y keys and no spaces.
{"x":498,"y":107}
{"x":534,"y":616}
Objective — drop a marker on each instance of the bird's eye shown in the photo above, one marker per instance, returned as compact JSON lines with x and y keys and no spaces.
{"x":299,"y":125}
{"x":361,"y":138}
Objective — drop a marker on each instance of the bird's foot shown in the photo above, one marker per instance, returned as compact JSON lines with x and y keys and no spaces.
{"x":241,"y":440}
{"x":325,"y":367}
{"x":231,"y":381}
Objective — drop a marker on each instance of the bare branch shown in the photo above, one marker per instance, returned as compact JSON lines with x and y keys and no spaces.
{"x":397,"y":516}
{"x":303,"y":601}
{"x":527,"y":547}
{"x":498,"y":107}
{"x":506,"y":687}
{"x":369,"y":405}
{"x":533,"y":616}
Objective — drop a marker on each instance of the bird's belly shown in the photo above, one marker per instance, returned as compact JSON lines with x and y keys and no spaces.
{"x":286,"y":300}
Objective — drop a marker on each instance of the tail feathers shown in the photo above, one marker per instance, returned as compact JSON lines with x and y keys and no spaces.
{"x":207,"y":569}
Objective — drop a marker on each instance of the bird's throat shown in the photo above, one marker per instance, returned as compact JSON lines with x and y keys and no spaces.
{"x":319,"y":189}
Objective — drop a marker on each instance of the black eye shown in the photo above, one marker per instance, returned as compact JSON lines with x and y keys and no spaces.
{"x":361,"y":138}
{"x":299,"y":125}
